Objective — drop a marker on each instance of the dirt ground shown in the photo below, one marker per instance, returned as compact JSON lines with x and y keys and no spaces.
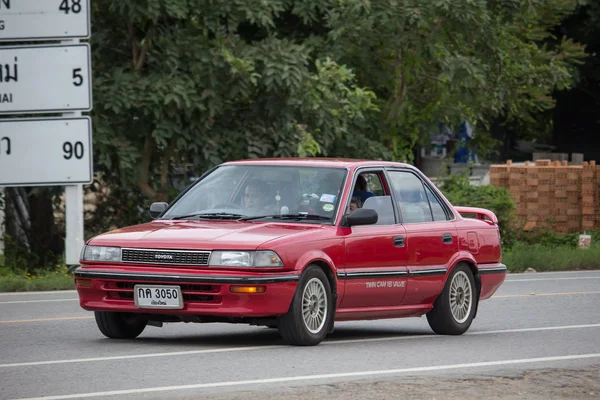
{"x":581,"y":384}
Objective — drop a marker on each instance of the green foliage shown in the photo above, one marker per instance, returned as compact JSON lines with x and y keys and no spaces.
{"x":16,"y":258}
{"x":451,"y":60}
{"x":551,"y":258}
{"x":460,"y":192}
{"x":58,"y":278}
{"x":202,"y":82}
{"x":547,"y":237}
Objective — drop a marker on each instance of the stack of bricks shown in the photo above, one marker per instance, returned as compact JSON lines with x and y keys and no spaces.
{"x":590,"y":182}
{"x":552,"y":194}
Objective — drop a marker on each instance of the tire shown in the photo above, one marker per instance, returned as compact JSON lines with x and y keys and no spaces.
{"x":441,"y":319}
{"x":115,"y":325}
{"x":292,"y":326}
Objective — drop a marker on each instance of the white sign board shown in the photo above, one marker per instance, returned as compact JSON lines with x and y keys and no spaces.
{"x":45,"y":79}
{"x":46,"y":151}
{"x":24,"y":20}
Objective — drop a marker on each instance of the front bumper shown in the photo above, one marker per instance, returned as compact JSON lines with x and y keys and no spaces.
{"x":204,"y":294}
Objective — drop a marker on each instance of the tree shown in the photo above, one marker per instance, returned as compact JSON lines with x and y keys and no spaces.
{"x":176,"y":82}
{"x":454,"y":60}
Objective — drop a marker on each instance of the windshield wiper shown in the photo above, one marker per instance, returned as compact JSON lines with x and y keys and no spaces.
{"x":222,"y":215}
{"x":299,"y":216}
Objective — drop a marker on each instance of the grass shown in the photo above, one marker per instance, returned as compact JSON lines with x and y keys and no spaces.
{"x":544,"y":258}
{"x":23,"y":281}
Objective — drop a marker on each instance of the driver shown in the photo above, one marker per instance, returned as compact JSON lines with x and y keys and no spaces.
{"x":255,"y":195}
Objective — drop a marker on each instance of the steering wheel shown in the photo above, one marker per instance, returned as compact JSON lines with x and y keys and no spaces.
{"x":227,"y":205}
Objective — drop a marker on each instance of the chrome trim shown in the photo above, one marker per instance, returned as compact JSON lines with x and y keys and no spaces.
{"x":371,"y":274}
{"x":428,"y":271}
{"x":496,"y":269}
{"x":399,"y":274}
{"x":166,"y":251}
{"x":225,"y":279}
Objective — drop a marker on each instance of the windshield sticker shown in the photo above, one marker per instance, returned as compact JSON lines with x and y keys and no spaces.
{"x":327,"y":198}
{"x":327,"y":207}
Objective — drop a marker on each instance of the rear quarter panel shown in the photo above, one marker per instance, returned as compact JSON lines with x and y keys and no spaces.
{"x":481,"y":239}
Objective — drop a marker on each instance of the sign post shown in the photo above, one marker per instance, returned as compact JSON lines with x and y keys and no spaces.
{"x":47,"y":78}
{"x":2,"y":229}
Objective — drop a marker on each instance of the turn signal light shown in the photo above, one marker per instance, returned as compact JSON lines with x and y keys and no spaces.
{"x":85,"y":283}
{"x":248,"y":289}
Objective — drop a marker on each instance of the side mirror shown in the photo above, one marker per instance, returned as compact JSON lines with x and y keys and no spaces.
{"x":157,"y":208}
{"x":362,"y":216}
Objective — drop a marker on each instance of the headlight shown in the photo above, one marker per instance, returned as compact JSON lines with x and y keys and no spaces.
{"x":101,"y":253}
{"x":245,"y":259}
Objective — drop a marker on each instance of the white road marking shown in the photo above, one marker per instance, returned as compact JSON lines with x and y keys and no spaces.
{"x":36,"y":301}
{"x":586,"y":271}
{"x":34,"y":292}
{"x":286,"y":379}
{"x":553,"y":279}
{"x":20,"y":321}
{"x":266,"y":347}
{"x":516,"y":330}
{"x":533,"y":294}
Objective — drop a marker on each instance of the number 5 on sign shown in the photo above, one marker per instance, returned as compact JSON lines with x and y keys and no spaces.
{"x":45,"y":79}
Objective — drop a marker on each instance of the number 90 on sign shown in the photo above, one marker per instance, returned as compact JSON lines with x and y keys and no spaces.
{"x":156,"y":296}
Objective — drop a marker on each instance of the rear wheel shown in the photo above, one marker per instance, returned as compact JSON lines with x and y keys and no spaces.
{"x":309,"y":316}
{"x":117,"y":325}
{"x":454,"y":309}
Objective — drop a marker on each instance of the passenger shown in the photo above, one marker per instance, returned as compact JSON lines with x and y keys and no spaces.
{"x":361,"y":190}
{"x":355,"y":203}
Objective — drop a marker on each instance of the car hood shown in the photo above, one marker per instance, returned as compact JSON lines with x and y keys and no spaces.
{"x":200,"y":235}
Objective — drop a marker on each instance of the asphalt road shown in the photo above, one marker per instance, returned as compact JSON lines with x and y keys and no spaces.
{"x":51,"y":347}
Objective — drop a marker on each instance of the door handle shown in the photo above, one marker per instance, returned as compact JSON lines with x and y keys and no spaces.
{"x":447,"y":238}
{"x":399,"y":241}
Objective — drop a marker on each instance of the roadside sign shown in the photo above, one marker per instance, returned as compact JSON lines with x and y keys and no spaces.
{"x":25,"y":20}
{"x":45,"y":78}
{"x":46,"y":151}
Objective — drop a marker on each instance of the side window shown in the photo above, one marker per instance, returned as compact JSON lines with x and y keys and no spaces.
{"x":411,"y":197}
{"x":438,"y":211}
{"x":368,"y":192}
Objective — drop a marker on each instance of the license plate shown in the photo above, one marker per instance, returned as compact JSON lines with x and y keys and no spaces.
{"x":156,"y":296}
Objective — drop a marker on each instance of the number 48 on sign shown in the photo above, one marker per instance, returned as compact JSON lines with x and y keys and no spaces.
{"x":44,"y":19}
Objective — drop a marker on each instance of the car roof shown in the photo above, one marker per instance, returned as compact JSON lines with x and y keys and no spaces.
{"x":319,"y":162}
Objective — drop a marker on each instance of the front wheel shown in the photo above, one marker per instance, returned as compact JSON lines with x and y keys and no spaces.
{"x":115,"y":325}
{"x":454,"y":309}
{"x":308,"y":319}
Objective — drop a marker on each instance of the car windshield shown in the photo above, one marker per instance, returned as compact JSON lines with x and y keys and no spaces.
{"x":273,"y":192}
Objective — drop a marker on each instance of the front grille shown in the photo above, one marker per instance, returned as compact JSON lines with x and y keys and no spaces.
{"x":191,"y":292}
{"x":167,"y":257}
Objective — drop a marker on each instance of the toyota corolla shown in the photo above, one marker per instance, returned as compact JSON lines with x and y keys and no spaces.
{"x":296,"y":245}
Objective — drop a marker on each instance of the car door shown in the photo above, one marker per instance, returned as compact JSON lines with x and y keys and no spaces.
{"x":431,"y":236}
{"x":376,"y":258}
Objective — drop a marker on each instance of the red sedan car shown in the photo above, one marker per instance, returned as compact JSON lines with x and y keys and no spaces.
{"x":296,"y":244}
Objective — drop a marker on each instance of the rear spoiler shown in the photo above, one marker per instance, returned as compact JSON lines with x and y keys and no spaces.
{"x":481,"y":213}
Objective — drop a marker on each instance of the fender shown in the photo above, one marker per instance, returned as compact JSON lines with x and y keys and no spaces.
{"x":465,"y":256}
{"x":460,"y":256}
{"x":314,"y":255}
{"x":319,"y":256}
